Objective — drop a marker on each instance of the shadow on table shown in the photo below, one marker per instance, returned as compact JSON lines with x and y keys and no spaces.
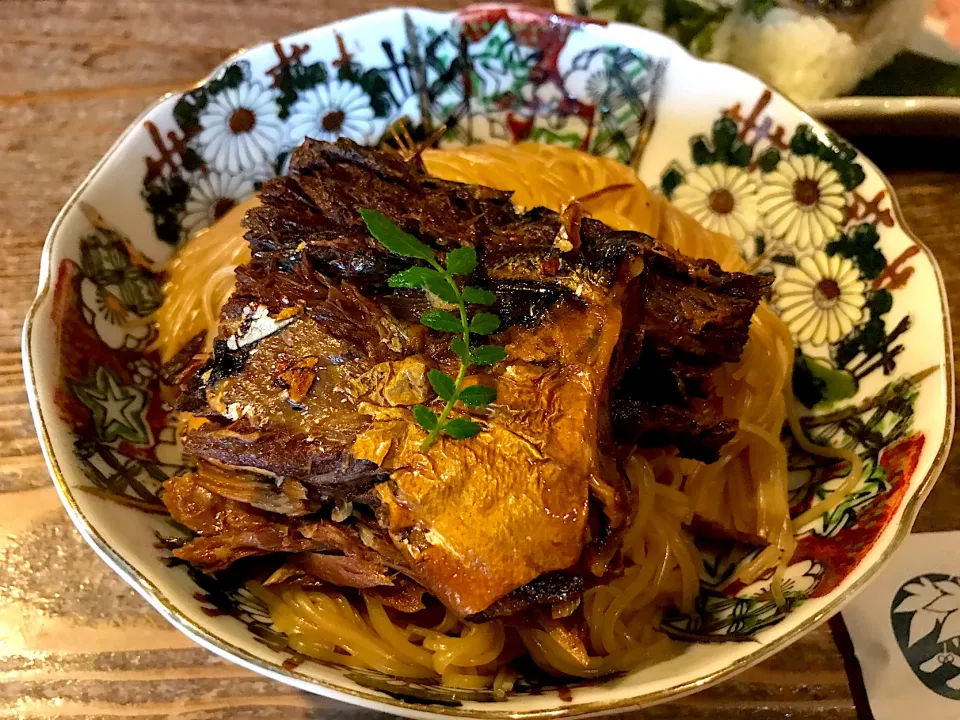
{"x":891,"y":152}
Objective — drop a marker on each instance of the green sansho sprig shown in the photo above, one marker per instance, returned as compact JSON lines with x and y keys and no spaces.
{"x":441,"y":282}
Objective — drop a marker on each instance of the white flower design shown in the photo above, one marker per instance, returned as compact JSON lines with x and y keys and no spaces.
{"x":248,"y":603}
{"x":168,"y":449}
{"x":821,"y":299}
{"x":932,"y":603}
{"x":117,"y":326}
{"x":721,"y":198}
{"x":211,"y":197}
{"x":332,"y":110}
{"x":802,"y":202}
{"x":800,"y":578}
{"x":141,"y":371}
{"x":241,"y":130}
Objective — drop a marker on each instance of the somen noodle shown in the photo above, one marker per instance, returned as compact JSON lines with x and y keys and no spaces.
{"x":745,"y":491}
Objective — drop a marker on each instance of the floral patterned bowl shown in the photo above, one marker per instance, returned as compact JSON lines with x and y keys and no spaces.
{"x":863,"y":298}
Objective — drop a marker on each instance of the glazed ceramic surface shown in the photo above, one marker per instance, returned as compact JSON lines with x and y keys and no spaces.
{"x":917,"y":93}
{"x":863,"y":299}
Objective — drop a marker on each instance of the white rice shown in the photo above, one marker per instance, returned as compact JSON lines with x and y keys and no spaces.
{"x":807,"y":58}
{"x":803,"y":54}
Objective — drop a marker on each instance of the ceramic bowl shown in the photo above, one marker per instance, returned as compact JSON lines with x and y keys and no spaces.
{"x":862,"y":296}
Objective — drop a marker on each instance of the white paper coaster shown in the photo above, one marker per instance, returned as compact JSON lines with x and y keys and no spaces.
{"x":905,"y":628}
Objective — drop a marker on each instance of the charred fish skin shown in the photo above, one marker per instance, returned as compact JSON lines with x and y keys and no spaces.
{"x":318,"y":362}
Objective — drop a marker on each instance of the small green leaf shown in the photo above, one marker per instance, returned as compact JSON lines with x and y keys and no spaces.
{"x":845,"y":151}
{"x":484,"y":323}
{"x":393,"y":238}
{"x":866,"y":234}
{"x":487,"y":355}
{"x":804,"y":141}
{"x":770,"y":157}
{"x":478,"y":296}
{"x":442,"y":383}
{"x":424,"y":277}
{"x":426,"y":418}
{"x":850,"y":175}
{"x":860,"y":246}
{"x":740,"y":154}
{"x":461,"y":350}
{"x":670,"y":181}
{"x":441,"y":320}
{"x":478,"y":395}
{"x":701,"y":154}
{"x":724,"y":133}
{"x":411,"y":277}
{"x":461,"y":261}
{"x":438,"y":285}
{"x":460,"y":429}
{"x":821,"y":383}
{"x":880,"y":303}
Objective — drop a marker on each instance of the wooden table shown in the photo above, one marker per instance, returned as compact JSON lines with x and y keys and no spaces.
{"x":75,"y":641}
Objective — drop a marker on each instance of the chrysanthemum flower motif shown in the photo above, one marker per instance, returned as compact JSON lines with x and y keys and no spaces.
{"x":821,"y":299}
{"x":329,"y":111}
{"x":802,"y":202}
{"x":241,"y":130}
{"x":720,"y":198}
{"x":211,"y":197}
{"x":608,"y":78}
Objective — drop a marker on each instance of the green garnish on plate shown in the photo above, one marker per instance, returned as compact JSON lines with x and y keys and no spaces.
{"x":440,"y":281}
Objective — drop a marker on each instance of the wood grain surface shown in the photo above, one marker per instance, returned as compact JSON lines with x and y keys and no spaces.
{"x":75,"y":641}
